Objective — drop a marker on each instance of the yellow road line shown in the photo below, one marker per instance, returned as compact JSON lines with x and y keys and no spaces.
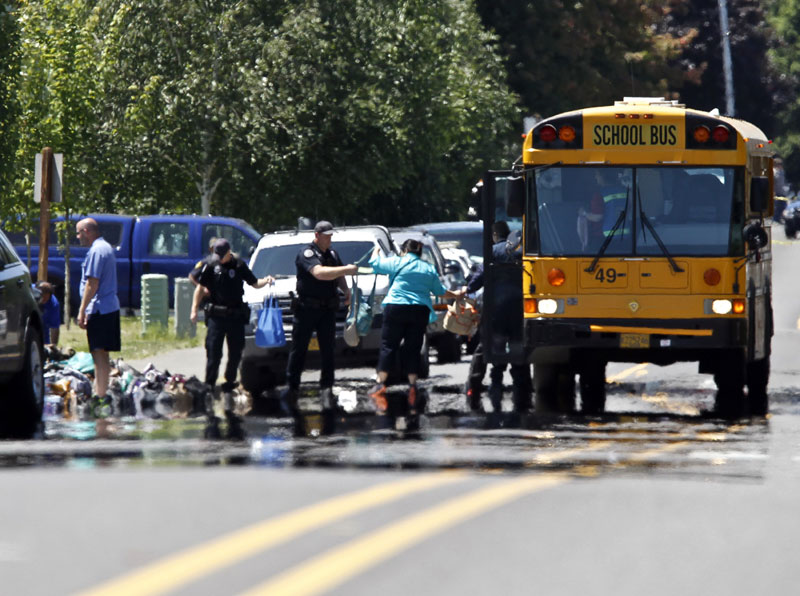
{"x":334,"y":567}
{"x":204,"y":559}
{"x":554,"y":456}
{"x":626,"y":373}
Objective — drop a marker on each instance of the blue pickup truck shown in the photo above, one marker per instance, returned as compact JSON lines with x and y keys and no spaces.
{"x":168,"y":244}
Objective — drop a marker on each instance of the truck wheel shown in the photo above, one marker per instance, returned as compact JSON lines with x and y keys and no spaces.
{"x":23,"y":408}
{"x":593,"y":388}
{"x":448,"y":348}
{"x":730,"y":380}
{"x":554,"y":385}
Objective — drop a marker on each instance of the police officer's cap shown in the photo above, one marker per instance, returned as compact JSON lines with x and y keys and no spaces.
{"x":324,"y":227}
{"x":221,"y":247}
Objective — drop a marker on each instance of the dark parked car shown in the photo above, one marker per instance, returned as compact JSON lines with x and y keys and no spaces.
{"x":21,"y":348}
{"x":468,"y":234}
{"x":791,"y":219}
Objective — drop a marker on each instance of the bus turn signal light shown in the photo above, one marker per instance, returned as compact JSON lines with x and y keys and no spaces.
{"x":712,"y":277}
{"x":530,"y":306}
{"x":566,"y":133}
{"x":701,"y":134}
{"x":738,"y":306}
{"x":556,"y":277}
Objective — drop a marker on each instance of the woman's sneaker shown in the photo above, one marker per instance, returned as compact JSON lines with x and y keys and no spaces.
{"x":101,"y":406}
{"x":378,"y":396}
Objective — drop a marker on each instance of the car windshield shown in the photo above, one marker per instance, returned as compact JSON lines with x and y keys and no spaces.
{"x":280,"y":260}
{"x":578,"y":210}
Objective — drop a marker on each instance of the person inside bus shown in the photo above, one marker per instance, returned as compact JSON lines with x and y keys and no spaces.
{"x":604,"y":209}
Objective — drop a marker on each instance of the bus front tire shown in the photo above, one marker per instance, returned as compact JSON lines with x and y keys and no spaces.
{"x":593,"y":388}
{"x":730,"y":380}
{"x":554,"y":385}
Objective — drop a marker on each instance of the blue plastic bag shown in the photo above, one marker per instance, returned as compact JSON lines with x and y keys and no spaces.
{"x":269,"y":331}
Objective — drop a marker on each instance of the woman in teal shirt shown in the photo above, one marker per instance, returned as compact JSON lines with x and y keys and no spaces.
{"x":407,"y":310}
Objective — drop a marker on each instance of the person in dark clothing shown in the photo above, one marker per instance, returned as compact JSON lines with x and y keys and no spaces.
{"x":520,"y":373}
{"x":224,"y":276}
{"x":320,"y":276}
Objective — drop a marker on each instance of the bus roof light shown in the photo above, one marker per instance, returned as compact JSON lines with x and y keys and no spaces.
{"x":567,"y":133}
{"x":721,"y":134}
{"x":548,"y":133}
{"x":701,"y":134}
{"x":633,"y":116}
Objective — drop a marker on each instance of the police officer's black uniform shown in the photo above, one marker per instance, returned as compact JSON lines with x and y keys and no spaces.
{"x":315,"y":310}
{"x":226,"y":314}
{"x":503,"y":320}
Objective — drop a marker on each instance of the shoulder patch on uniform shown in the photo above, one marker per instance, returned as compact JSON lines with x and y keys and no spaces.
{"x":308,"y":253}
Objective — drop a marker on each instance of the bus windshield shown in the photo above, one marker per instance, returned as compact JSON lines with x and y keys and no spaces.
{"x":575,"y":211}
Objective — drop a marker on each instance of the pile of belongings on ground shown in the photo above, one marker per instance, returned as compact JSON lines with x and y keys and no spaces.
{"x":148,"y":394}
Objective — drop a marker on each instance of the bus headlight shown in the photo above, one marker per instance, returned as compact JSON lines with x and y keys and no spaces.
{"x":721,"y":307}
{"x":547,"y":306}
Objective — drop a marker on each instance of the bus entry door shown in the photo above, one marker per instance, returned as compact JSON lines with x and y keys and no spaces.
{"x":502,"y":317}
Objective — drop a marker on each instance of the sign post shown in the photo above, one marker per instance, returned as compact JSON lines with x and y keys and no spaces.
{"x":46,"y":190}
{"x":44,"y":211}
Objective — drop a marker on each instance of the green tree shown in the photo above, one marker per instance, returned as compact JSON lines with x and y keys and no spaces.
{"x":9,"y":69}
{"x":785,"y":19}
{"x":567,"y":55}
{"x":57,"y":94}
{"x":760,"y":89}
{"x":373,"y":110}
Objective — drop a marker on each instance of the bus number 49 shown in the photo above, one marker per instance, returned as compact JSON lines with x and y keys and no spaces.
{"x":606,"y":275}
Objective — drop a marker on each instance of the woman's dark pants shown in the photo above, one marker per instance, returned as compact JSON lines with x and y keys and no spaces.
{"x":404,"y":323}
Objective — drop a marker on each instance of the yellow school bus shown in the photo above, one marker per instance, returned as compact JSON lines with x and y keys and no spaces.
{"x":643,"y":239}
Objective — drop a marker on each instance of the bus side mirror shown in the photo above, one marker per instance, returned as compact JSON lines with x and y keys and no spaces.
{"x":755,"y":235}
{"x":515,"y":207}
{"x":759,"y":193}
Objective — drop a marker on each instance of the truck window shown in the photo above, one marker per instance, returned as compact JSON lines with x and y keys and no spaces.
{"x":111,"y":231}
{"x":241,"y":243}
{"x":169,"y":239}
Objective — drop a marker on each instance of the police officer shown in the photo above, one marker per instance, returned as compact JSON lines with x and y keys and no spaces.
{"x":502,"y":252}
{"x":223,"y":276}
{"x":320,"y":273}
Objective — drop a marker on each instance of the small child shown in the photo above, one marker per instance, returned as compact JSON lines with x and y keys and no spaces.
{"x":51,"y":313}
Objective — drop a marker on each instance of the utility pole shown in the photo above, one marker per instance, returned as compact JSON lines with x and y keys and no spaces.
{"x":727,"y":66}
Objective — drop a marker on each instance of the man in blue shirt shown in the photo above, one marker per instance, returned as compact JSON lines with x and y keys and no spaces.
{"x":51,"y":313}
{"x":99,"y":310}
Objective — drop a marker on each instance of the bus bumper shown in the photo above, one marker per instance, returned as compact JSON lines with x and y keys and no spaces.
{"x":648,"y":340}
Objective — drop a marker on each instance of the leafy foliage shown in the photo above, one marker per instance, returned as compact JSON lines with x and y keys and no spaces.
{"x":566,"y":55}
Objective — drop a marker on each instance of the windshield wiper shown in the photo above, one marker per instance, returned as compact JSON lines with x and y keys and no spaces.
{"x":656,"y":237}
{"x":622,"y":215}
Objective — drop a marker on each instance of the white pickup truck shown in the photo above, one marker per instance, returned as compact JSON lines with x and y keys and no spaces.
{"x":263,"y":368}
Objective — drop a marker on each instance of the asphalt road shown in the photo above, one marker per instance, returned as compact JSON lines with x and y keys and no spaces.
{"x":656,"y":497}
